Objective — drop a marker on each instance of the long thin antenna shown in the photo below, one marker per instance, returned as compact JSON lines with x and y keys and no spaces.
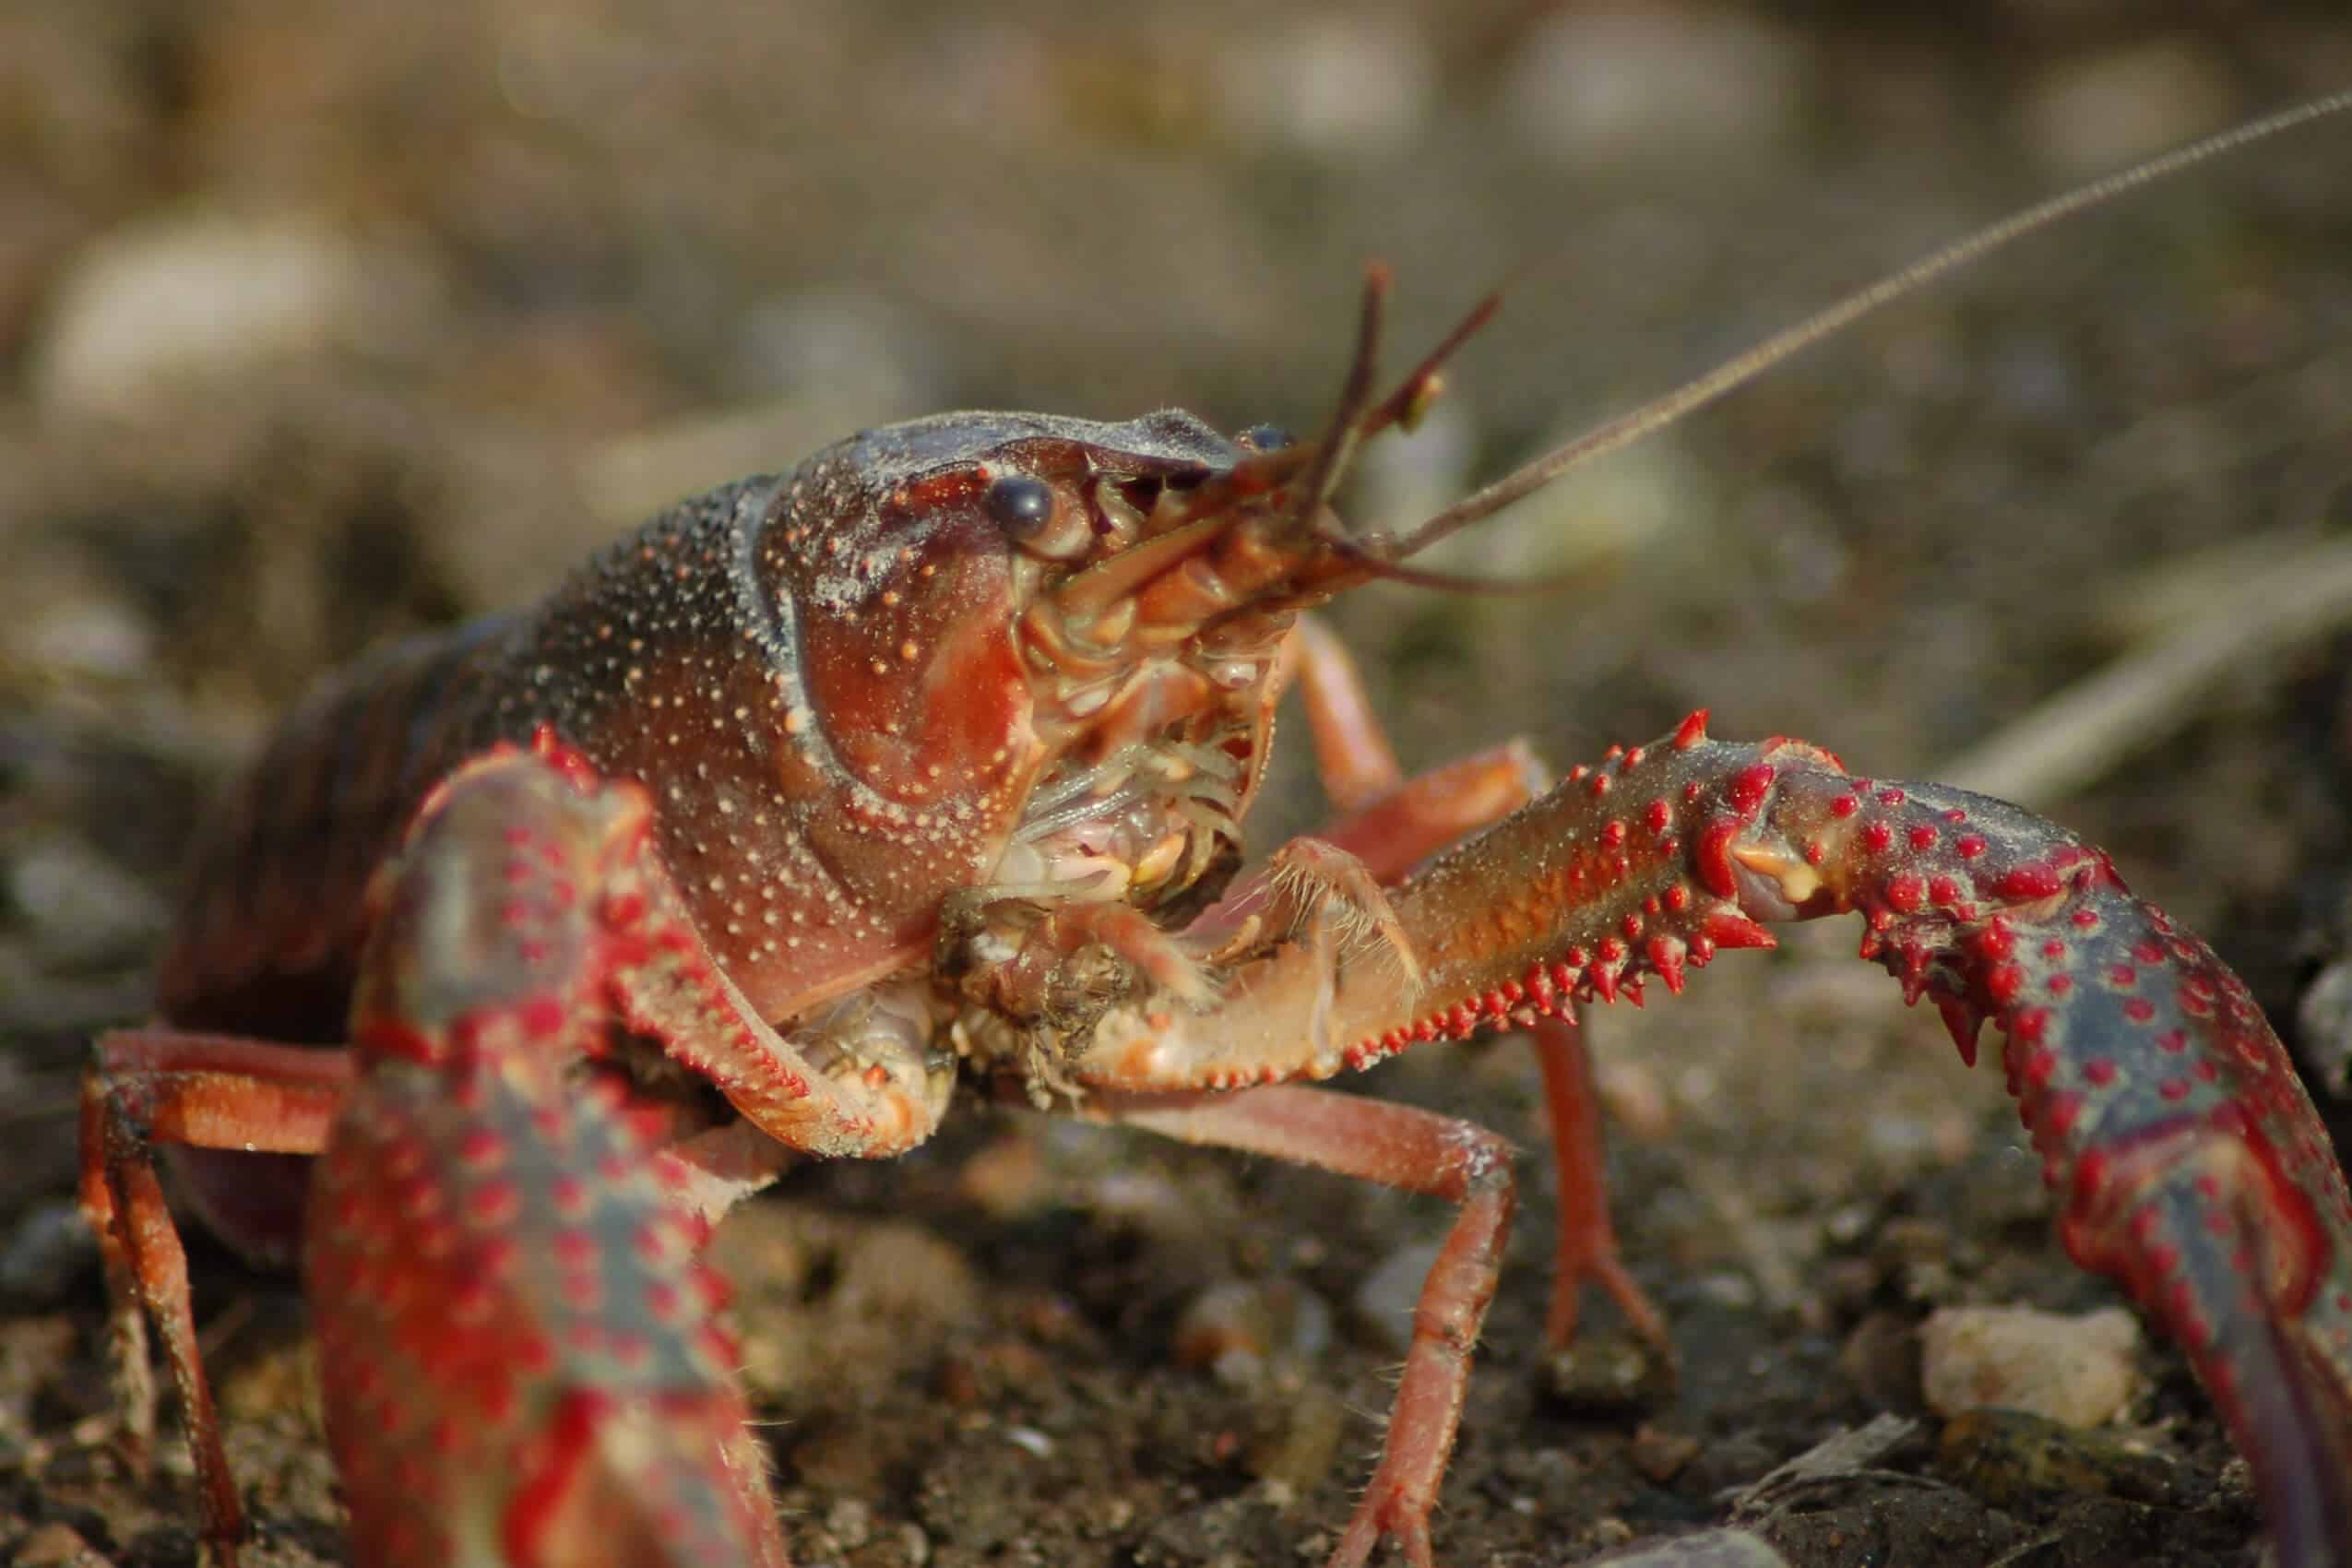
{"x":1631,"y":427}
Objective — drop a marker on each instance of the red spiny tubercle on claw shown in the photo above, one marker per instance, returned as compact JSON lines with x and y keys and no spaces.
{"x":1747,"y":791}
{"x":1652,"y":891}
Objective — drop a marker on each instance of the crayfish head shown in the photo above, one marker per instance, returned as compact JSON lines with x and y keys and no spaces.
{"x":1146,"y":577}
{"x":1045,"y":631}
{"x":1029,"y":656}
{"x":1152,"y":610}
{"x":1053,"y":647}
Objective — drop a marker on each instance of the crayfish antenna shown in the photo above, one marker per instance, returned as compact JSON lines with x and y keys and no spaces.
{"x":1632,"y":426}
{"x":1318,"y":467}
{"x":1405,"y":407}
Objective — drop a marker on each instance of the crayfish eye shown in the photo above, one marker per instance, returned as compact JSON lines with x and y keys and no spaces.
{"x":1263,"y":438}
{"x":1022,"y":504}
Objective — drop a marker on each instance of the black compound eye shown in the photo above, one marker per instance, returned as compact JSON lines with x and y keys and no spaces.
{"x":1020,"y":503}
{"x":1265,"y":438}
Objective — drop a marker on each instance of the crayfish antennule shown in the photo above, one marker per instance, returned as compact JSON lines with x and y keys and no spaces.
{"x":1414,"y":396}
{"x":1356,"y":415}
{"x":1419,"y":398}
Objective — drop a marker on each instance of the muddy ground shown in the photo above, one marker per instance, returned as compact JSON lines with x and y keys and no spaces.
{"x":319,"y":323}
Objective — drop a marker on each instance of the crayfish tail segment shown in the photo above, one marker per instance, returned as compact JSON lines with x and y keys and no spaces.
{"x":518,"y":1351}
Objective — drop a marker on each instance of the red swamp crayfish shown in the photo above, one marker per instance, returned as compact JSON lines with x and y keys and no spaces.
{"x":924,"y":765}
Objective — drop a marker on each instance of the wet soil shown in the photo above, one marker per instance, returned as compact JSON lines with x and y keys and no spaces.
{"x":320,"y":324}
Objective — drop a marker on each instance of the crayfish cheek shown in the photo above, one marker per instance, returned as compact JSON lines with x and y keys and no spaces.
{"x":921,"y":692}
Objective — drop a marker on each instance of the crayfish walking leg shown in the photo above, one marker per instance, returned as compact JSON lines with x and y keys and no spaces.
{"x":1391,"y":824}
{"x":1397,"y":1146}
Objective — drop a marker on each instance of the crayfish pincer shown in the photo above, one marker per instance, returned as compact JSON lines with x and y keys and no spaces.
{"x":924,"y":766}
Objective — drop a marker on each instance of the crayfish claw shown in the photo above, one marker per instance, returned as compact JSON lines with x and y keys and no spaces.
{"x":517,"y":1350}
{"x":2191,"y":1162}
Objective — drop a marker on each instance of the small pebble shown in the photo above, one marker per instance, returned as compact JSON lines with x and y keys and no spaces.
{"x":1635,"y":1099}
{"x":208,"y":296}
{"x":46,"y":1252}
{"x":1338,"y":81}
{"x":2006,"y":1458}
{"x":1313,"y":1436}
{"x":2077,"y":1370}
{"x":1661,"y":1455}
{"x":1602,"y":86}
{"x":1385,"y":1299}
{"x":85,"y":633}
{"x":82,"y":906}
{"x":849,"y":1522}
{"x":1006,"y":1179}
{"x":1242,"y":1328}
{"x":1881,"y":1359}
{"x":1409,"y":476}
{"x":2325,"y":1014}
{"x":1646,"y":502}
{"x":1607,"y":1376}
{"x":2103,"y":110}
{"x":1708,"y":1549}
{"x":57,"y":1546}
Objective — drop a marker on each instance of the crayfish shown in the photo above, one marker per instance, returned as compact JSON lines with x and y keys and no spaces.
{"x":924,"y":766}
